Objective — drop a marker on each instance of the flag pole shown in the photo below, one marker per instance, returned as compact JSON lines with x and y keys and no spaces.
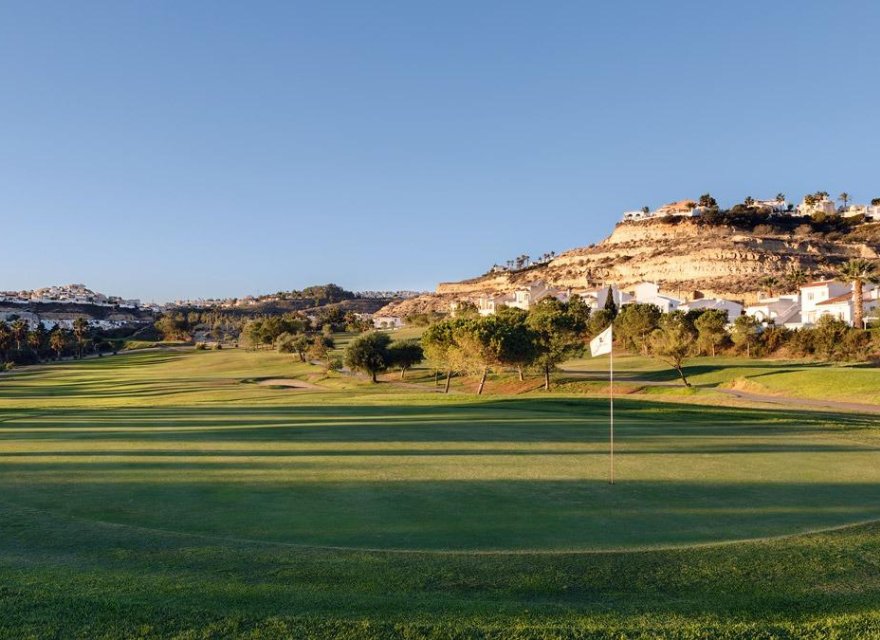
{"x":611,"y":401}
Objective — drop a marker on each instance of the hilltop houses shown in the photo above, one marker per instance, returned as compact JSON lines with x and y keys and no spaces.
{"x":67,"y":294}
{"x":685,"y":208}
{"x":871,"y":212}
{"x":813,"y":204}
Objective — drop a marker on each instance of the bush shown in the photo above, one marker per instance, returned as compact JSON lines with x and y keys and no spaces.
{"x":217,"y":346}
{"x":201,"y":346}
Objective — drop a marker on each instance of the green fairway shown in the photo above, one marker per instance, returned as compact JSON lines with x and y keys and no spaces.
{"x":797,"y":379}
{"x":173,"y":481}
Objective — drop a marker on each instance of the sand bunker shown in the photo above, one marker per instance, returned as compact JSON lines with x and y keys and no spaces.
{"x":289,"y":383}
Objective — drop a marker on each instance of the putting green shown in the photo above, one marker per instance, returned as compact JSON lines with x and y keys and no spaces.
{"x":376,"y":469}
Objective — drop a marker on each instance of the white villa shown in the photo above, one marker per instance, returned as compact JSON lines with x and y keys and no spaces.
{"x":870,"y":211}
{"x":781,"y":310}
{"x":822,"y":205}
{"x":637,"y":214}
{"x":524,"y":297}
{"x":489,"y":304}
{"x":814,"y":293}
{"x":649,"y":293}
{"x":842,"y":307}
{"x":731,"y":308}
{"x":775,"y":206}
{"x":597,"y":298}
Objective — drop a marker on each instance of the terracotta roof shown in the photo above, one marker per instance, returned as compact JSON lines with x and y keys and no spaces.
{"x":820,"y":283}
{"x":846,"y":297}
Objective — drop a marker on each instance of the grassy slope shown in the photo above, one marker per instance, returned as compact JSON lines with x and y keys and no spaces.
{"x":122,"y":480}
{"x":799,"y":379}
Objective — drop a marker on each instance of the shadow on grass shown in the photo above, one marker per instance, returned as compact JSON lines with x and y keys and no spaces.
{"x":453,"y":514}
{"x":531,"y":420}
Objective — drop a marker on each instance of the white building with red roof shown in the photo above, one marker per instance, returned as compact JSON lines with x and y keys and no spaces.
{"x":842,"y":306}
{"x":814,"y":293}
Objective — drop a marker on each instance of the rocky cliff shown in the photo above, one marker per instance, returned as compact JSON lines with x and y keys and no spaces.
{"x":687,"y":257}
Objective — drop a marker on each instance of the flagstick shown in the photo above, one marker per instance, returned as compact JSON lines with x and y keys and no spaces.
{"x":611,"y":399}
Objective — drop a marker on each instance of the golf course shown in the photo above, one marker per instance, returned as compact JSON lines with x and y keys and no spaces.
{"x":176,"y":493}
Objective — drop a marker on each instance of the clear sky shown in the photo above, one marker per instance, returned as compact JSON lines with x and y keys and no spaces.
{"x":164,"y":149}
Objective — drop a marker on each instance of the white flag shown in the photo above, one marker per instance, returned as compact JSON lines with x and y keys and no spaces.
{"x":601,"y":344}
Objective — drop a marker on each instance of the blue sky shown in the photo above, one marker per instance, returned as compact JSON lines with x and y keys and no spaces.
{"x":169,"y":149}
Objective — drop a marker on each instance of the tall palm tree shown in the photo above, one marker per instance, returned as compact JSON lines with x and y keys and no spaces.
{"x":843,"y":198}
{"x":80,"y":331}
{"x":35,"y":339}
{"x":771,"y":283}
{"x":19,"y":332}
{"x":796,"y":278}
{"x":858,"y":271}
{"x":5,"y":340}
{"x":57,"y":342}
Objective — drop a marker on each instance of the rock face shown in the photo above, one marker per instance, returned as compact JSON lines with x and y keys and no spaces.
{"x":687,"y":257}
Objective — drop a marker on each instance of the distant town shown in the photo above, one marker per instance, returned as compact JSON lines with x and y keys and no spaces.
{"x":812,"y":205}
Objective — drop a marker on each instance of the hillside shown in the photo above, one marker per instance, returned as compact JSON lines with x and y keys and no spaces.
{"x":687,"y":257}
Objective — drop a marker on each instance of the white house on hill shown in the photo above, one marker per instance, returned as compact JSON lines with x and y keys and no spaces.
{"x":649,"y":293}
{"x":822,"y":205}
{"x":731,"y":308}
{"x":775,"y":206}
{"x":870,"y":211}
{"x":814,"y":293}
{"x":596,"y":298}
{"x":525,"y":297}
{"x":782,"y":310}
{"x":842,"y":307}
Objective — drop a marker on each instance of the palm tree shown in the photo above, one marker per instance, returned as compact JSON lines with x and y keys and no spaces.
{"x":843,"y":198}
{"x":780,"y":197}
{"x":36,"y":339}
{"x":796,"y":278}
{"x":770,"y":283}
{"x":19,"y":333}
{"x":858,"y":271}
{"x":5,"y":340}
{"x":749,"y":201}
{"x":80,"y":330}
{"x":57,"y":342}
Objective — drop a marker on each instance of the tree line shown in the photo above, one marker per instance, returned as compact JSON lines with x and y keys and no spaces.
{"x":21,"y":344}
{"x":551,"y":332}
{"x":259,"y":331}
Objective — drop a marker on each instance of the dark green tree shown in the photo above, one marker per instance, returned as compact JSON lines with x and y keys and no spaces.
{"x":404,"y":355}
{"x":368,"y":353}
